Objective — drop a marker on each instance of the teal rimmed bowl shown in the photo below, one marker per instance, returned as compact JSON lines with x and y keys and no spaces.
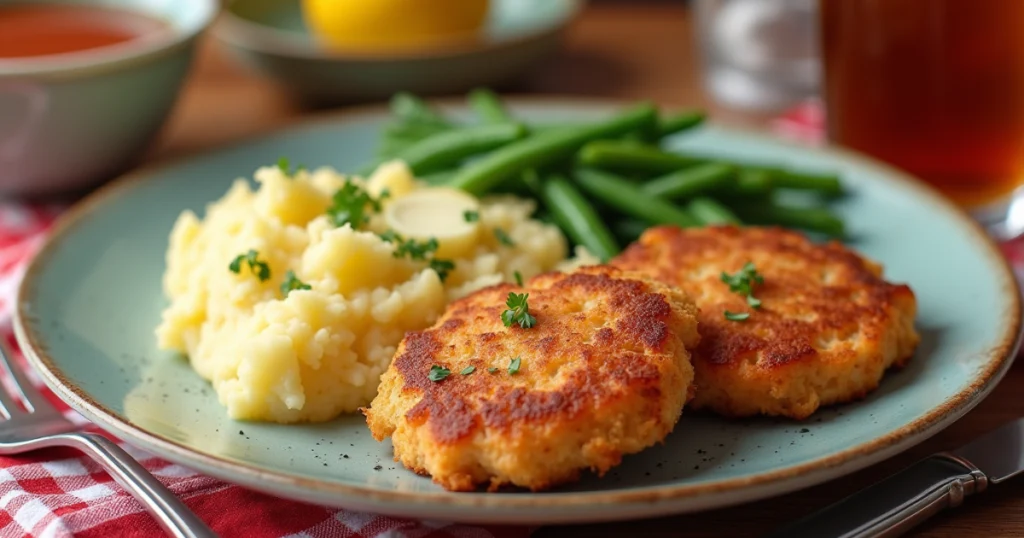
{"x":69,"y":121}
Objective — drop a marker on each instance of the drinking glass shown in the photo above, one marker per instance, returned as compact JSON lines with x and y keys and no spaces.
{"x":758,"y":55}
{"x":935,"y":87}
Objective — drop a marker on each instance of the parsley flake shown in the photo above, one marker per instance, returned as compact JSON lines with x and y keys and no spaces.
{"x":468,"y":370}
{"x":519,"y":278}
{"x":438,"y":373}
{"x":442,"y":267}
{"x":736,"y":316}
{"x":286,"y":167}
{"x":513,"y":365}
{"x":419,"y":250}
{"x":416,"y":250}
{"x":492,"y":370}
{"x":353,"y":205}
{"x":470,"y":216}
{"x":292,"y":282}
{"x":259,"y":268}
{"x":503,"y":237}
{"x":518,"y":312}
{"x":743,"y":283}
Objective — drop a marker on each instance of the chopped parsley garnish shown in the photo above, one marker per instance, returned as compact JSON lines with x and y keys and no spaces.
{"x":492,"y":370}
{"x":442,"y":267}
{"x":292,"y":282}
{"x":470,"y":216}
{"x":419,"y":250}
{"x":503,"y":238}
{"x":513,"y":366}
{"x":416,"y":250}
{"x":736,"y":316}
{"x":519,"y":278}
{"x":353,"y":205}
{"x":468,"y":370}
{"x":251,"y":258}
{"x":286,"y":167}
{"x":438,"y":373}
{"x":743,"y":283}
{"x":518,"y":312}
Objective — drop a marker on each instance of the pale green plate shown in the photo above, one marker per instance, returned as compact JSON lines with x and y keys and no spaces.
{"x":90,"y":301}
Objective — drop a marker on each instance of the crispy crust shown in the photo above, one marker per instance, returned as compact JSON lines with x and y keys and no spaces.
{"x":828,"y":328}
{"x":604,"y":372}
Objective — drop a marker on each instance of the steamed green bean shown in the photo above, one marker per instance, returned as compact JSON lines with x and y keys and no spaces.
{"x":577,"y":217}
{"x":626,"y":197}
{"x":544,"y":148}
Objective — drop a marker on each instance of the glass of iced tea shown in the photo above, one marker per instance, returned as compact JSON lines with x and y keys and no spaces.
{"x":935,"y":87}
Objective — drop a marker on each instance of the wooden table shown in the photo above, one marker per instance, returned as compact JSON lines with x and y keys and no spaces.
{"x":626,"y":51}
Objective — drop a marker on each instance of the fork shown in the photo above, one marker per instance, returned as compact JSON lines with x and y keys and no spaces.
{"x":40,"y":425}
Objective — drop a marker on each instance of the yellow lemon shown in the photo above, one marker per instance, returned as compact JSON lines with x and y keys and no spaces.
{"x":389,"y":25}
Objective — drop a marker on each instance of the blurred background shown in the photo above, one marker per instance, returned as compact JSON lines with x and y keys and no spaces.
{"x":935,"y":87}
{"x":671,"y":51}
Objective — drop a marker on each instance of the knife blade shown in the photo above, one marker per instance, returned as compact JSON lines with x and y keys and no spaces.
{"x":999,"y":454}
{"x":896,"y":504}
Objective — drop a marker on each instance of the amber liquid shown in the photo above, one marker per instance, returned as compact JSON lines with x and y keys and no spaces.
{"x":43,"y":29}
{"x":935,"y":87}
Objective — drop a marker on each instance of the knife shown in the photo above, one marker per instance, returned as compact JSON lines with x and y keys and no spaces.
{"x":894,"y":505}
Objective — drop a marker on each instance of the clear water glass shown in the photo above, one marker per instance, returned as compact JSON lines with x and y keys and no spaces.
{"x":758,"y":55}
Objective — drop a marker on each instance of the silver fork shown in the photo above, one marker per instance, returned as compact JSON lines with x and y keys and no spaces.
{"x":40,"y":425}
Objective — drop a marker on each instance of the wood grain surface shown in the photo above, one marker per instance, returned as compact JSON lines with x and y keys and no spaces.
{"x":628,"y":50}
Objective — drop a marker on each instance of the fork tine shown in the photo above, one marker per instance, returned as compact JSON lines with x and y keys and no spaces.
{"x":8,"y":407}
{"x":32,"y":397}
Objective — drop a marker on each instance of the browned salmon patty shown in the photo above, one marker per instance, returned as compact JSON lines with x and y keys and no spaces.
{"x":603,"y":372}
{"x":827,"y":329}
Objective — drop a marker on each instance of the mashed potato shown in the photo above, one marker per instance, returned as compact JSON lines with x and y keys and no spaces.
{"x":311,"y":354}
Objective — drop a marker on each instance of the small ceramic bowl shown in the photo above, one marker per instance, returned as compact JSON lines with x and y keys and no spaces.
{"x":270,"y":37}
{"x":69,"y":121}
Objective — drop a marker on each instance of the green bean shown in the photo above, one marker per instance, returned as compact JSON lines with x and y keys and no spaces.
{"x":630,"y":200}
{"x":628,"y":230}
{"x":488,"y":106}
{"x":544,"y":148}
{"x":577,"y":217}
{"x":808,"y":218}
{"x":750,"y":183}
{"x":409,"y":108}
{"x":708,"y":211}
{"x":823,"y":183}
{"x":448,"y":148}
{"x":628,"y":155}
{"x":632,"y":156}
{"x":437,"y":178}
{"x":680,"y":122}
{"x":692,"y":181}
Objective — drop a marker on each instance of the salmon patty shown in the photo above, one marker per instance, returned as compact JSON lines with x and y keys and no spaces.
{"x":827,"y":328}
{"x":604,"y":371}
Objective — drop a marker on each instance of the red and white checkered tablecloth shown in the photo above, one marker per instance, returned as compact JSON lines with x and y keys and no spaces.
{"x":60,"y":493}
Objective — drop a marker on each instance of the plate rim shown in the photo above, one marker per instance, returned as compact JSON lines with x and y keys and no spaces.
{"x":652,"y":500}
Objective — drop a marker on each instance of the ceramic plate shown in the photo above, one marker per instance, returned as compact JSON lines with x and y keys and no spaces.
{"x":91,"y":299}
{"x":271,"y":37}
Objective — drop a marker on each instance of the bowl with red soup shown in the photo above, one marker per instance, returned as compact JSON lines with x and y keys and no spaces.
{"x":86,"y":85}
